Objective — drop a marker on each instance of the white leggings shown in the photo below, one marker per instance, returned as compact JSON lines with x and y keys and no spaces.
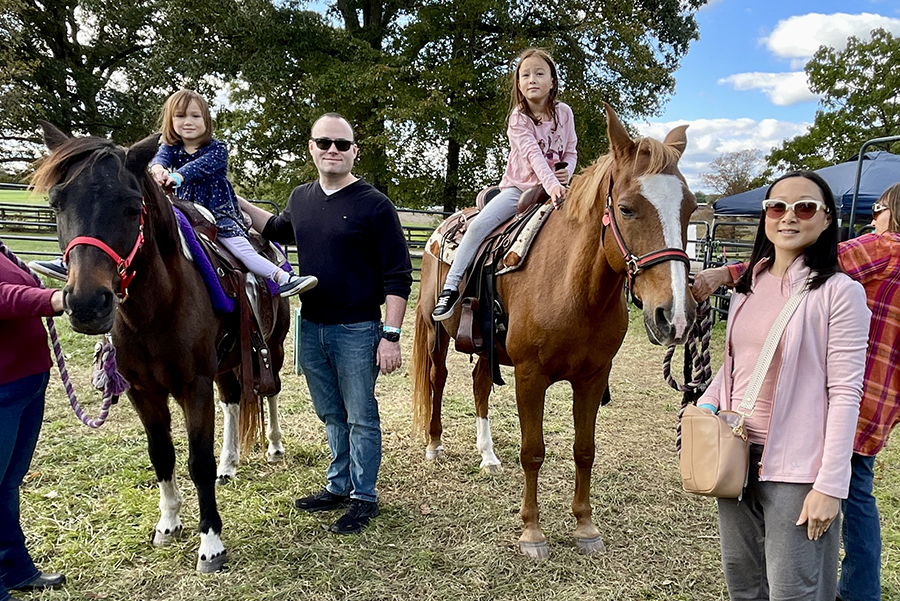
{"x":255,"y":262}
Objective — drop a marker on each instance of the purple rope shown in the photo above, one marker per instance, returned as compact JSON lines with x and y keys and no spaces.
{"x":114,"y":379}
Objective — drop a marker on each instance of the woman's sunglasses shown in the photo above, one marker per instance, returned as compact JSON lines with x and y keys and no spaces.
{"x":878,"y":207}
{"x":325,"y":144}
{"x":803,"y":209}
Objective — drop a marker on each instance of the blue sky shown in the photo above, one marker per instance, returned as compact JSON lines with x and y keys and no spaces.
{"x":742,"y":84}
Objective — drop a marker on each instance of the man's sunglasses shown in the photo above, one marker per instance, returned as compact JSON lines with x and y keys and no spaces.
{"x":803,"y":209}
{"x":325,"y":144}
{"x":878,"y":207}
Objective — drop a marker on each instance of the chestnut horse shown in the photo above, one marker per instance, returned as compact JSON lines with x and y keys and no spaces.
{"x":624,"y":219}
{"x":156,"y":305}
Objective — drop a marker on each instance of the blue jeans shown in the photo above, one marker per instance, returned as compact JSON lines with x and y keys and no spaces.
{"x":861,"y":531}
{"x":339,"y":362}
{"x":21,"y":412}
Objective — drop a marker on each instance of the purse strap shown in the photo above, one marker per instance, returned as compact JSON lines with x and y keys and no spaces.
{"x":768,"y":349}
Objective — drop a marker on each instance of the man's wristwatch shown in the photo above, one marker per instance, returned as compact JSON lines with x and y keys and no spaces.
{"x":390,"y":333}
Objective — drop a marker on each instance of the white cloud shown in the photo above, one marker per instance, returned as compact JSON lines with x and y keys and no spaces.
{"x":799,"y":37}
{"x":783,"y":89}
{"x":709,"y":138}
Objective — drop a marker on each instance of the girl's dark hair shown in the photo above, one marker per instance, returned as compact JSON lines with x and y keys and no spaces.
{"x":517,"y":100}
{"x":820,"y":256}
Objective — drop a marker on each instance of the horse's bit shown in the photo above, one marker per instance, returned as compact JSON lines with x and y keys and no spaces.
{"x":633,"y":263}
{"x":123,"y":265}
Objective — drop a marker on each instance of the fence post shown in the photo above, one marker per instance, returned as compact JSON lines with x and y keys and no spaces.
{"x":297,"y":369}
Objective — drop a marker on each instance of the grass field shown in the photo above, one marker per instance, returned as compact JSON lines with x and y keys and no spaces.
{"x":447,"y":532}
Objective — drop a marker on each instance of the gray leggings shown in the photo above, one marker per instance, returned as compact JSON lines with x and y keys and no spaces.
{"x":501,"y":208}
{"x":765,"y":555}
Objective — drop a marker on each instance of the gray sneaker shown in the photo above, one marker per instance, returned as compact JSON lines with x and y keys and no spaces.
{"x":55,"y":269}
{"x":297,"y":284}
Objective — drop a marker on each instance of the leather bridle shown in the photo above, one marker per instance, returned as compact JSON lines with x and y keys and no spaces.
{"x":123,"y":265}
{"x":635,"y":264}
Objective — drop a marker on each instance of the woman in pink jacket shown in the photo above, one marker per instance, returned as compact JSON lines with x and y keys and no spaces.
{"x":777,"y":541}
{"x":541,"y":134}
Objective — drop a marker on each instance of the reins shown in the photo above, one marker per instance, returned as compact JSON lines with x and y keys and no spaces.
{"x":696,"y":354}
{"x":106,"y":375}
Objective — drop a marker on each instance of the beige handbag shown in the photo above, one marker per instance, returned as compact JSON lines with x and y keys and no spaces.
{"x":715,"y":454}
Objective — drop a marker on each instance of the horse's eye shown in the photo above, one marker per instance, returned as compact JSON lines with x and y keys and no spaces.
{"x":626,"y":211}
{"x":54,"y":199}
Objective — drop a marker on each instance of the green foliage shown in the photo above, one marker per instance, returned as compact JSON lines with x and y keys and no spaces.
{"x":859,"y":102}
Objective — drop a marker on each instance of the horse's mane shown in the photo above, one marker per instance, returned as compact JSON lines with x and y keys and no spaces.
{"x":52,"y":168}
{"x":592,"y":183}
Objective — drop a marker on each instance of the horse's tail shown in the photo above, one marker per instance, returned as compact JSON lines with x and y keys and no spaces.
{"x":422,"y":366}
{"x":252,"y":423}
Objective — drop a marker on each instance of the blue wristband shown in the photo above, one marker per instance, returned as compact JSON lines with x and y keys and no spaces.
{"x":179,"y":179}
{"x":708,"y":406}
{"x":391,"y":329}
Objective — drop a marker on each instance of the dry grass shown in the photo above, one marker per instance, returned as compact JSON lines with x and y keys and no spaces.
{"x":446,"y":531}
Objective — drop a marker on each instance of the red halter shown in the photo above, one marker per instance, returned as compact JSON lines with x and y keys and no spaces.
{"x":634,"y":264}
{"x":123,"y":266}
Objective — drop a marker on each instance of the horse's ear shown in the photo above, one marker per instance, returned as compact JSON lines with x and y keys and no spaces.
{"x":140,"y":154}
{"x":677,"y":139}
{"x":53,"y":136}
{"x":620,"y":143}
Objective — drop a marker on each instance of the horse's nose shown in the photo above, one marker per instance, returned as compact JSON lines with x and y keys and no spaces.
{"x":662,"y":318}
{"x":92,"y":312}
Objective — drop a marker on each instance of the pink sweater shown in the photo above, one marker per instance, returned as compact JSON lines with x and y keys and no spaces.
{"x":23,"y":339}
{"x":533,"y":149}
{"x":819,"y":385}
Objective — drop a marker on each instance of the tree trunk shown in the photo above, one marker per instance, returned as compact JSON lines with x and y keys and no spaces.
{"x":451,"y":182}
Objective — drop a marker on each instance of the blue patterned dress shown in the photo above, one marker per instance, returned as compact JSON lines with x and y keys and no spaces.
{"x":205,"y":182}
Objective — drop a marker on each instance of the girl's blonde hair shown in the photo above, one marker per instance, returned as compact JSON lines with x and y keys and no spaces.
{"x":517,"y":100}
{"x":179,"y":102}
{"x":891,"y":199}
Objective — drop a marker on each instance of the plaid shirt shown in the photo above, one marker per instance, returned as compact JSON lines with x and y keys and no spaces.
{"x":874,"y":261}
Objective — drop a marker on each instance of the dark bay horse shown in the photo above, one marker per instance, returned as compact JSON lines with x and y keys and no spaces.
{"x":625,"y":218}
{"x":129,"y":275}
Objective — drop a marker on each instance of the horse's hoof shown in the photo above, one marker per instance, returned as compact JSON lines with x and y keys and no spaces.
{"x":223,"y":479}
{"x":492,"y":469}
{"x":433,"y":454}
{"x":276,"y":457}
{"x":590,"y":546}
{"x":212,"y":565}
{"x":537,"y":550}
{"x":164,"y":539}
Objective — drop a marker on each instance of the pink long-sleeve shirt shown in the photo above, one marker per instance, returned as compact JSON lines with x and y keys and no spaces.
{"x":23,"y":339}
{"x":533,"y":149}
{"x":818,"y":387}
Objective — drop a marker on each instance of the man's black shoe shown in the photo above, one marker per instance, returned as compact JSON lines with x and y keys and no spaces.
{"x":445,"y":304}
{"x":356,"y":518}
{"x":321,"y":501}
{"x":42,"y":581}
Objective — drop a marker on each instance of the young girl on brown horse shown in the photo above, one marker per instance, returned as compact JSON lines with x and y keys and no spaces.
{"x":541,"y":133}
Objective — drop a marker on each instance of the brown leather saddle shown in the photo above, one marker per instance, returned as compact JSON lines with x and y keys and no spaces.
{"x":257,"y":306}
{"x":481,"y":309}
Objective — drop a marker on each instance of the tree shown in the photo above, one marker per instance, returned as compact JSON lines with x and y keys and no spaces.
{"x":736,"y":172}
{"x":859,"y":102}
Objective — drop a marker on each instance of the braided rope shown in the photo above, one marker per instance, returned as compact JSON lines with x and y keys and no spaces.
{"x":106,"y":372}
{"x":696,"y":350}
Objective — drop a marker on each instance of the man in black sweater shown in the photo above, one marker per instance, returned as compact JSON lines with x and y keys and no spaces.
{"x":348,"y":236}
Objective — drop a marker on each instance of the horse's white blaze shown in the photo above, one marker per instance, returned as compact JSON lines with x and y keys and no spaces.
{"x":169,"y":507}
{"x":229,"y":457}
{"x":484,"y":442}
{"x":666,"y":194}
{"x":210,"y":546}
{"x":273,"y":429}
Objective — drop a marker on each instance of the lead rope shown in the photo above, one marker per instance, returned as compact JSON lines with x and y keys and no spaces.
{"x":696,"y":351}
{"x":106,"y":375}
